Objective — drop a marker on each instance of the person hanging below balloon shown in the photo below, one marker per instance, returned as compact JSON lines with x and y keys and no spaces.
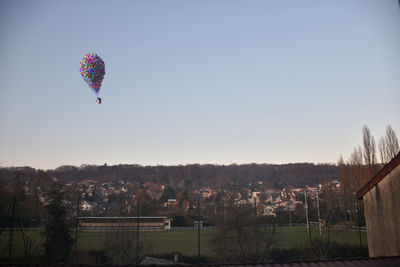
{"x":92,"y":69}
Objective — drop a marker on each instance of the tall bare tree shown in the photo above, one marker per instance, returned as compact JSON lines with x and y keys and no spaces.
{"x":356,"y":168}
{"x":352,"y":178}
{"x":382,"y":150}
{"x":362,"y":166}
{"x":369,"y":152}
{"x":346,"y":182}
{"x":388,"y":145}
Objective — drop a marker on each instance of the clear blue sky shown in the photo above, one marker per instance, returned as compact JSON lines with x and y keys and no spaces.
{"x":196,"y":81}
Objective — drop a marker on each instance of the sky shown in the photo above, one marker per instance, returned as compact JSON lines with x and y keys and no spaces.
{"x":216,"y":82}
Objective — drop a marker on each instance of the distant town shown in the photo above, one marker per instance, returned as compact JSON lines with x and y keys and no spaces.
{"x":177,"y":198}
{"x":96,"y":196}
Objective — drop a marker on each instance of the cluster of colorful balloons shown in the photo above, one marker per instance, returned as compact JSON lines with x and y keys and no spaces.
{"x":92,"y":70}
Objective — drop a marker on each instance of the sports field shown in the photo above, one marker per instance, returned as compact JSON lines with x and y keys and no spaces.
{"x":184,"y":242}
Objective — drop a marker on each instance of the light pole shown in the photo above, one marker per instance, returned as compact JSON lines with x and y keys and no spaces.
{"x":319,"y":216}
{"x":198,"y":229}
{"x":308,"y":224}
{"x":137,"y":230}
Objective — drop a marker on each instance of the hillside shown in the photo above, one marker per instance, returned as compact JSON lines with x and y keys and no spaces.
{"x":194,"y":175}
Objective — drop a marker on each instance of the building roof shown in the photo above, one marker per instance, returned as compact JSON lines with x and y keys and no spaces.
{"x":381,"y":174}
{"x":369,"y":262}
{"x":127,"y":217}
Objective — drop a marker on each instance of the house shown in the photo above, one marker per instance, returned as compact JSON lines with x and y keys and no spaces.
{"x":86,"y":206}
{"x":170,"y":203}
{"x":381,"y":197}
{"x":269,"y":211}
{"x":255,"y":197}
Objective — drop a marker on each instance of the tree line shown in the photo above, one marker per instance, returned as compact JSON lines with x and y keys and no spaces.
{"x":192,"y":175}
{"x":363,"y":163}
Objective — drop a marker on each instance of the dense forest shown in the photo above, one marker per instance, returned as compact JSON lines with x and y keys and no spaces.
{"x":191,"y":176}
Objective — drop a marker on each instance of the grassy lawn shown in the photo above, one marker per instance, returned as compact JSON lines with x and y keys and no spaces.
{"x":184,"y":242}
{"x":291,"y":237}
{"x":33,"y":238}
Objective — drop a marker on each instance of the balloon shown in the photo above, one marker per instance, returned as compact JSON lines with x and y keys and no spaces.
{"x":92,"y":70}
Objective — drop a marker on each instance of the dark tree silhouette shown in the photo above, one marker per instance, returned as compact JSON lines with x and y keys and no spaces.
{"x":58,"y":241}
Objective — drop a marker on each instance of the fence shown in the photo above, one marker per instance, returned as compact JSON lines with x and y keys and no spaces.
{"x":88,"y":229}
{"x":183,"y":240}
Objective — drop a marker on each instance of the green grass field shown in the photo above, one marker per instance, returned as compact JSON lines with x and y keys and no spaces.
{"x":184,"y":242}
{"x":291,"y":237}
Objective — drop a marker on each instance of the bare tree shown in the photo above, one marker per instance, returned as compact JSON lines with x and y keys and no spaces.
{"x":356,"y":168}
{"x":119,"y":246}
{"x":369,"y":152}
{"x":352,"y":177}
{"x":237,"y":240}
{"x":346,"y":183}
{"x":382,"y":150}
{"x":362,"y":166}
{"x":392,"y":143}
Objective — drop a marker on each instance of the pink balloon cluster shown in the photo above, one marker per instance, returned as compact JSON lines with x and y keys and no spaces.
{"x":92,"y":70}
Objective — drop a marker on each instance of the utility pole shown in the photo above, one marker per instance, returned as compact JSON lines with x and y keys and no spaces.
{"x":12,"y":229}
{"x":319,"y":216}
{"x":76,"y":222}
{"x":308,"y":224}
{"x":255,"y":223}
{"x":198,"y":229}
{"x":137,"y":230}
{"x":306,"y":207}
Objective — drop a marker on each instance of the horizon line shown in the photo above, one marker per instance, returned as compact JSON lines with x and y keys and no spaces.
{"x":165,"y":165}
